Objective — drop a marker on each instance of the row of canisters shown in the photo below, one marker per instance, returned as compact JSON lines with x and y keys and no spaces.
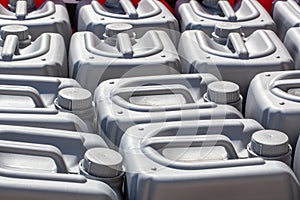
{"x":149,"y":100}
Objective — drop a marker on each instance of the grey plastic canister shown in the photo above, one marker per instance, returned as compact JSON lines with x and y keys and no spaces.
{"x":291,"y":41}
{"x":148,"y":15}
{"x":93,"y":60}
{"x":232,"y":57}
{"x":296,"y":163}
{"x":205,"y":15}
{"x":47,"y":102}
{"x":204,"y":158}
{"x":50,"y":17}
{"x":273,"y":100}
{"x":46,"y":56}
{"x":286,"y":15}
{"x":122,"y":103}
{"x":38,"y":159}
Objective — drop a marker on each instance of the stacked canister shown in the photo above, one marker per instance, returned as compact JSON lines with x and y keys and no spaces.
{"x":149,"y":99}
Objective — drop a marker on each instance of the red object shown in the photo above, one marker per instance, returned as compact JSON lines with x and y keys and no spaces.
{"x":267,"y":4}
{"x":4,"y":3}
{"x":38,"y":3}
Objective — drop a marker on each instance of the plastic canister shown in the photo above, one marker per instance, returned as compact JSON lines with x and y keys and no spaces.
{"x":232,"y":57}
{"x":286,"y":15}
{"x":120,"y":54}
{"x":36,"y":159}
{"x":122,"y":103}
{"x":147,"y":15}
{"x":46,"y":56}
{"x":31,"y":101}
{"x":50,"y":17}
{"x":204,"y":15}
{"x":204,"y":158}
{"x":273,"y":100}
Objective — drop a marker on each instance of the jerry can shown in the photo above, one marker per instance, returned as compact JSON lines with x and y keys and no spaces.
{"x":207,"y":159}
{"x":57,"y":165}
{"x":46,"y":56}
{"x":50,"y":17}
{"x":205,"y":15}
{"x":122,"y":103}
{"x":46,"y":102}
{"x":232,"y":57}
{"x":273,"y":100}
{"x":291,"y":42}
{"x":296,"y":163}
{"x":93,"y":60}
{"x":147,"y":15}
{"x":286,"y":15}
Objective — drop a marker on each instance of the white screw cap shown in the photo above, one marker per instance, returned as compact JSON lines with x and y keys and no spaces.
{"x":18,"y":30}
{"x":73,"y":98}
{"x":223,"y":30}
{"x":102,"y":162}
{"x":223,"y":92}
{"x":269,"y":143}
{"x":115,"y":28}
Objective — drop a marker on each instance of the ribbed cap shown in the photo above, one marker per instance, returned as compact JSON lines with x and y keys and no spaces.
{"x":223,"y":30}
{"x":73,"y":98}
{"x":223,"y":92}
{"x":294,"y":91}
{"x":102,"y":162}
{"x":115,"y":28}
{"x":269,"y":143}
{"x":18,"y":30}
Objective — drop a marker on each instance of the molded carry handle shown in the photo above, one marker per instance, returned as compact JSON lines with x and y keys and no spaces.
{"x":151,"y":146}
{"x":21,"y":9}
{"x":23,"y":91}
{"x":158,"y":143}
{"x":227,"y":10}
{"x":238,"y":44}
{"x":124,"y":45}
{"x":35,"y":150}
{"x":129,"y":9}
{"x":10,"y":47}
{"x":279,"y":88}
{"x":128,"y":92}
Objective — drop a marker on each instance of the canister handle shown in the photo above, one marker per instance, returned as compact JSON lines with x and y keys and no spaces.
{"x":21,"y":9}
{"x":23,"y":91}
{"x":10,"y":47}
{"x":32,"y":149}
{"x":279,"y":87}
{"x":238,"y":44}
{"x":128,"y":92}
{"x":129,"y":9}
{"x":227,"y":10}
{"x":192,"y":141}
{"x":152,"y":147}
